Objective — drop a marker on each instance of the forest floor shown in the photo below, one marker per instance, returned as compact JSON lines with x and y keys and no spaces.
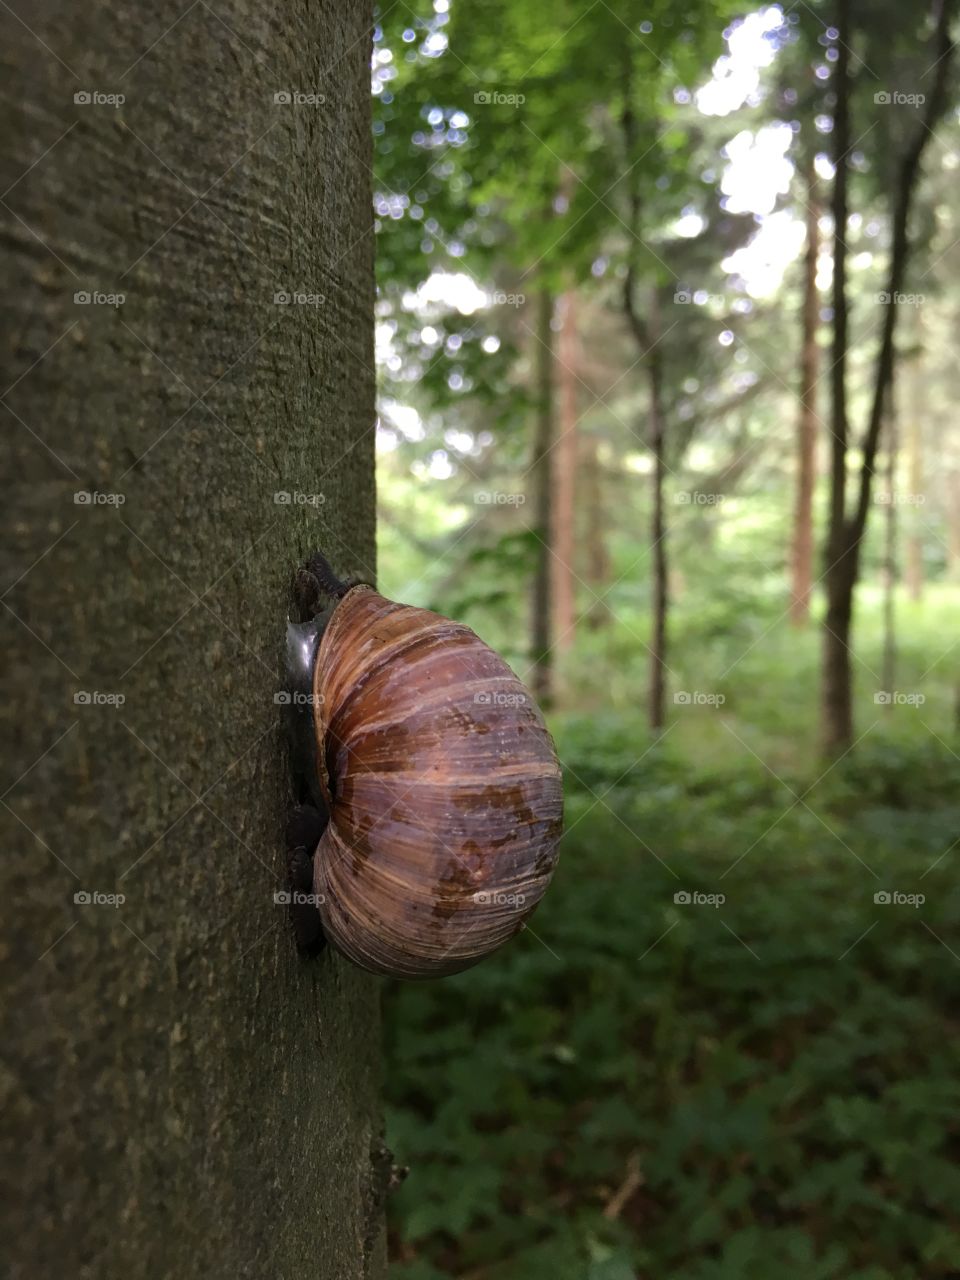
{"x":726,"y":1047}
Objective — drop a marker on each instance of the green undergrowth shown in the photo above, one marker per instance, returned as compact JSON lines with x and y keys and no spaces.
{"x":756,"y":1082}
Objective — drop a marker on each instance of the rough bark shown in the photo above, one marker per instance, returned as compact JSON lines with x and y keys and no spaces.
{"x":184,"y":1095}
{"x":541,"y":676}
{"x":802,"y":550}
{"x":564,"y":473}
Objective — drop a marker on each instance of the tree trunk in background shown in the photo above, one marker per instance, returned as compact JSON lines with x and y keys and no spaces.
{"x":846,"y":533}
{"x":185,"y":1096}
{"x":658,"y":527}
{"x":598,"y":559}
{"x":953,"y":525}
{"x":913,"y":549}
{"x":541,"y":654}
{"x":889,"y":674}
{"x":802,"y":550}
{"x":841,"y":569}
{"x":564,"y":473}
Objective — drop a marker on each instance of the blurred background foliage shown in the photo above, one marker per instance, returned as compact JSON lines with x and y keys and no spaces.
{"x":642,"y":1086}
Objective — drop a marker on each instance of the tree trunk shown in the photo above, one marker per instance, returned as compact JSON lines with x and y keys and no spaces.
{"x":953,"y":525}
{"x":598,"y":558}
{"x":541,"y":654}
{"x":913,"y":550}
{"x":564,"y":473}
{"x":846,"y":532}
{"x":840,"y":576}
{"x":802,"y":551}
{"x":658,"y":527}
{"x":185,"y":1096}
{"x":889,"y":675}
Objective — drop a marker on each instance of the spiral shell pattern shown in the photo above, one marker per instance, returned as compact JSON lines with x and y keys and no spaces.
{"x":443,"y":786}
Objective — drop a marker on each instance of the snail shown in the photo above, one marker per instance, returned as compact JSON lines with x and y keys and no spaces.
{"x":436,"y":792}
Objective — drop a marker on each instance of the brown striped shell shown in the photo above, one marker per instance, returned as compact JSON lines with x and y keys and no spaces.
{"x":443,"y":787}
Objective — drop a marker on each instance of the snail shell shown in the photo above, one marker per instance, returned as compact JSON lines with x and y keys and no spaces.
{"x":442,"y":785}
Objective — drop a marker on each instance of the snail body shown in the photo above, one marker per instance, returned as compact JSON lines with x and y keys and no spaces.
{"x":440,"y":782}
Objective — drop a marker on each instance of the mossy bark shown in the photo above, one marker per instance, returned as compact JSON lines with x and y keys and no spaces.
{"x":184,"y":1095}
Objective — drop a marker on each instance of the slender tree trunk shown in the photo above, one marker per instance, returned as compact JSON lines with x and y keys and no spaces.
{"x":889,"y":674}
{"x":658,"y":526}
{"x":185,"y":1096}
{"x":913,"y":550}
{"x":598,"y":559}
{"x":802,"y":551}
{"x":564,"y":472}
{"x":846,"y":532}
{"x":953,"y":524}
{"x":841,"y":568}
{"x":541,"y":653}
